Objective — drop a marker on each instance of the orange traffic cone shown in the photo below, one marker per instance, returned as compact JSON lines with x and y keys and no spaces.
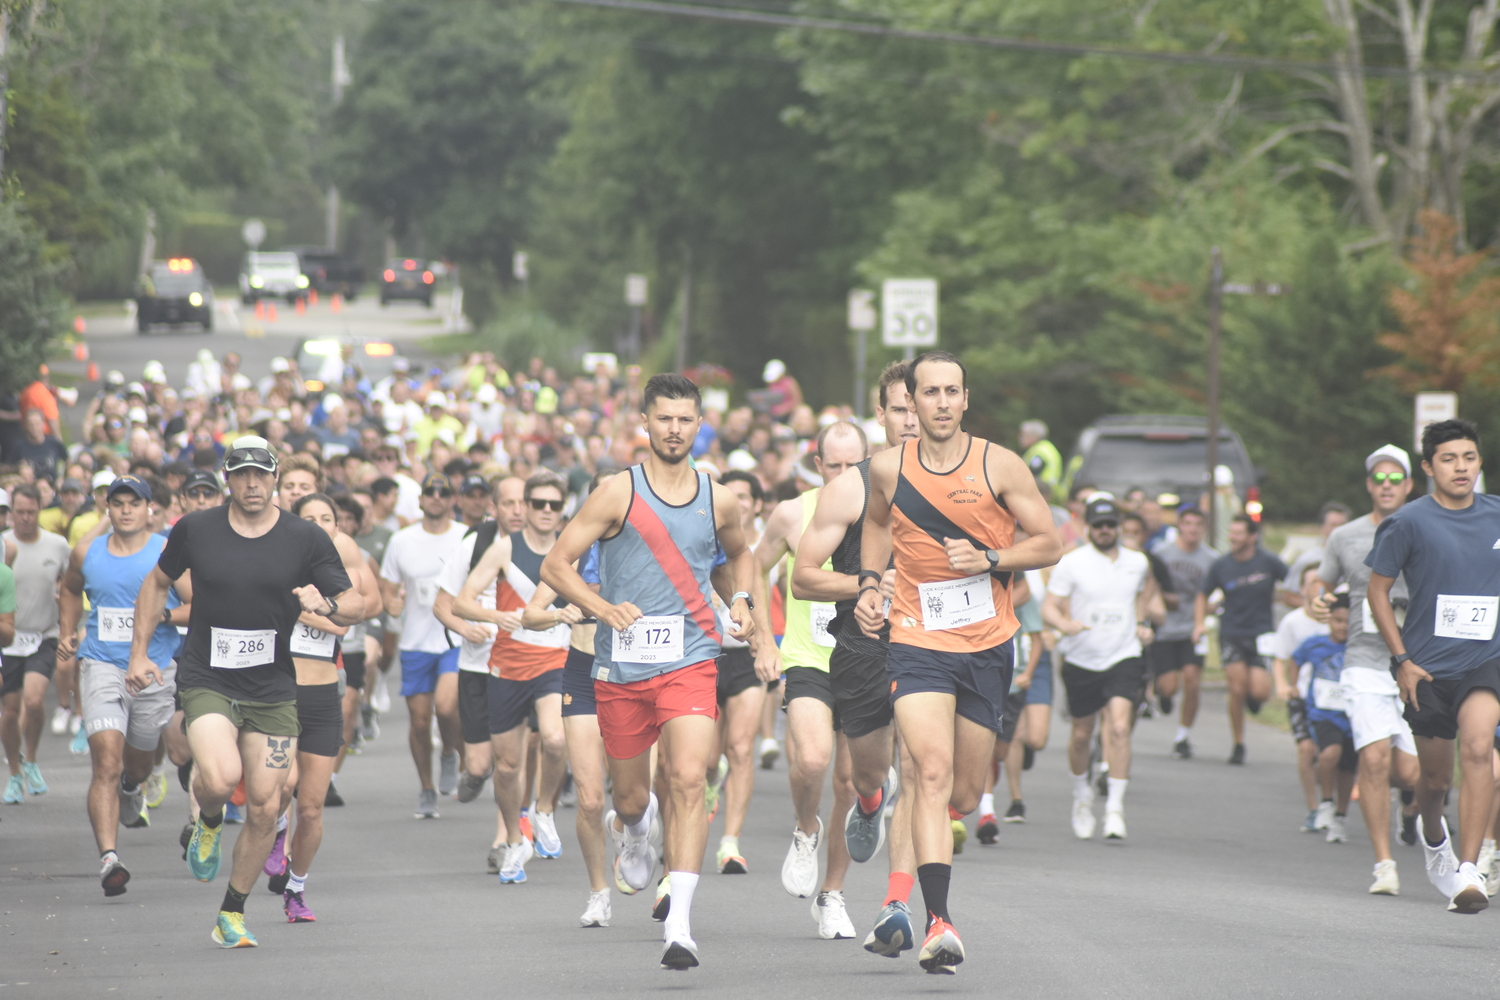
{"x":78,"y":324}
{"x":93,"y":373}
{"x":312,"y":296}
{"x":336,"y":303}
{"x":80,"y":352}
{"x":301,"y":307}
{"x":271,"y":313}
{"x":260,"y":309}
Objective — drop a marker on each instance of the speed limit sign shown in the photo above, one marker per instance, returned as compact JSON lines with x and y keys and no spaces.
{"x":909,"y":312}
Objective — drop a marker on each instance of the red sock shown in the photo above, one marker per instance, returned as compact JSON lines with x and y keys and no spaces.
{"x":868,"y":804}
{"x":898,"y":888}
{"x":954,"y":813}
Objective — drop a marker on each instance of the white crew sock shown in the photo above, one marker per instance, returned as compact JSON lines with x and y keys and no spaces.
{"x":281,"y":820}
{"x":1116,"y":800}
{"x":987,"y":804}
{"x":333,"y":779}
{"x":160,"y":768}
{"x":679,"y":916}
{"x":643,"y":826}
{"x":295,"y":882}
{"x":1081,"y":786}
{"x":1182,"y":733}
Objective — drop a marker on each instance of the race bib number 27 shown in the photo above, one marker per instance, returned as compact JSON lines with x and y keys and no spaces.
{"x":1460,"y":617}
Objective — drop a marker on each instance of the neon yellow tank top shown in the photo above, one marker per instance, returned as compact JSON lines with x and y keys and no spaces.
{"x":807,"y":642}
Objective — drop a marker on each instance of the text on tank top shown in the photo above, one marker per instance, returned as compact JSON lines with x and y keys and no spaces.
{"x":525,"y":653}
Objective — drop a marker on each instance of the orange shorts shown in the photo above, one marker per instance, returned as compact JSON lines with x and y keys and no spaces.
{"x":631,"y":715}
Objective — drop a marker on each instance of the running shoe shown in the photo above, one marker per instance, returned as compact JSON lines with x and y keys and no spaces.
{"x":1325,"y":815}
{"x":513,"y":868}
{"x":492,"y":861}
{"x":1386,"y":881}
{"x":769,"y":751}
{"x":369,"y":727}
{"x":942,"y":952}
{"x":1237,"y":755}
{"x":525,"y":824}
{"x":277,"y":883}
{"x":799,"y":872}
{"x":232,"y":814}
{"x":276,"y":860}
{"x":1182,"y":749}
{"x":60,"y":721}
{"x":597,"y":913}
{"x":75,"y":722}
{"x":892,"y":933}
{"x":679,"y":955}
{"x":1114,"y":824}
{"x":1253,"y":705}
{"x":113,"y":876}
{"x":989,"y":829}
{"x":832,"y":916}
{"x":332,"y":798}
{"x":80,"y":744}
{"x":1083,"y":818}
{"x":15,"y":791}
{"x":448,"y":774}
{"x":714,"y":787}
{"x":1492,"y":878}
{"x":297,"y":910}
{"x":186,"y":838}
{"x":203,"y":851}
{"x":380,"y":696}
{"x":1470,"y":896}
{"x":1028,"y":758}
{"x":1441,"y":862}
{"x":156,"y":790}
{"x":231,"y":933}
{"x":1147,"y":710}
{"x":865,"y":832}
{"x":185,"y":777}
{"x":1310,"y":824}
{"x":1166,"y":704}
{"x":1338,"y":832}
{"x":548,"y":843}
{"x":635,"y":859}
{"x":427,"y":804}
{"x":133,"y":813}
{"x":663,"y":904}
{"x":1486,"y":861}
{"x":1408,"y":829}
{"x":728,"y":859}
{"x":1016,"y":813}
{"x":33,"y":775}
{"x":469,"y":787}
{"x":960,"y":835}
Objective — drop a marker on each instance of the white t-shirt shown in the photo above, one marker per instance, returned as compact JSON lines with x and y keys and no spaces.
{"x":1295,"y":629}
{"x":473,"y":656}
{"x":414,"y":558}
{"x":1101,"y":594}
{"x":408,"y":493}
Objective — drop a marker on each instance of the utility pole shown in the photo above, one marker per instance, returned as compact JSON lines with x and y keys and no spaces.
{"x":861,"y":319}
{"x":341,"y":79}
{"x":687,"y":309}
{"x":4,"y":86}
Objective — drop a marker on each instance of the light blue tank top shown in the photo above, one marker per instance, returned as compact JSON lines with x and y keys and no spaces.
{"x":660,"y":562}
{"x":112,"y":583}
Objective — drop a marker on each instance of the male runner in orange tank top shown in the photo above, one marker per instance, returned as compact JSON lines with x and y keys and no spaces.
{"x":948,"y":505}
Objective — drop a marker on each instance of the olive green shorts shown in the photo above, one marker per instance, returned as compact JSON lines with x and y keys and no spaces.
{"x":276,"y":718}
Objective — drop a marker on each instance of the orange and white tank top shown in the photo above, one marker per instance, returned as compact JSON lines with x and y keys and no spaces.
{"x":936,"y":607}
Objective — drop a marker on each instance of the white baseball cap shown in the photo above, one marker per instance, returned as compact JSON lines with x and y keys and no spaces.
{"x":137,"y":415}
{"x":1388,"y":453}
{"x":279,"y":365}
{"x":103,"y":478}
{"x":4,"y":499}
{"x":774,"y":370}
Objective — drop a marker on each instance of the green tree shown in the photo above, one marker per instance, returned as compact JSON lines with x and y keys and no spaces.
{"x":29,"y":299}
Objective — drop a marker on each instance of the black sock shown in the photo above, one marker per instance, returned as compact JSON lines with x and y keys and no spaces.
{"x":1407,"y":798}
{"x":234,"y":902}
{"x":128,"y":784}
{"x":934,"y":879}
{"x":212,"y":821}
{"x":185,"y":776}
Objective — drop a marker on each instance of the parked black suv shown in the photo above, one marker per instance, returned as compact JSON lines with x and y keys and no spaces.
{"x":1160,"y":454}
{"x":174,"y":291}
{"x":407,"y":278}
{"x":329,"y":274}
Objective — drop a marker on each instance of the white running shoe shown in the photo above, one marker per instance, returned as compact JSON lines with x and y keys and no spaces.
{"x":1442,"y":863}
{"x":636,"y":860}
{"x":1325,"y":815}
{"x":799,"y":872}
{"x":1338,"y":831}
{"x":1470,"y":897}
{"x":1083,"y":818}
{"x":769,"y":751}
{"x":513,"y":868}
{"x":679,"y":954}
{"x":832,"y":916}
{"x":1114,"y":824}
{"x":380,"y":696}
{"x":1486,"y":863}
{"x":60,"y":721}
{"x":1386,"y":881}
{"x":597,"y":913}
{"x":544,"y":829}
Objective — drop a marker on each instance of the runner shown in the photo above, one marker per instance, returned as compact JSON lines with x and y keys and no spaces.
{"x":858,"y":688}
{"x":1097,"y":599}
{"x":124,"y":728}
{"x":1248,"y":576}
{"x":254,"y":569}
{"x":1323,"y":657}
{"x":28,"y":663}
{"x":951,"y":657}
{"x":1175,"y":660}
{"x":1292,"y":683}
{"x":1030,"y":729}
{"x":1445,"y":655}
{"x":813,"y":726}
{"x":525,"y":669}
{"x":429,"y":667}
{"x":1382,"y":738}
{"x":660,"y":528}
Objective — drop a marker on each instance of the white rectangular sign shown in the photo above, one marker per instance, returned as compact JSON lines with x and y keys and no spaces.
{"x":861,"y":309}
{"x":1432,"y":407}
{"x":909,"y":312}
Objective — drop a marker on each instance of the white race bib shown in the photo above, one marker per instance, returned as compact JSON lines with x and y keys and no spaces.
{"x":26,"y":643}
{"x":822,"y":614}
{"x":1110,"y":619}
{"x":1329,"y":695}
{"x":116,"y":624}
{"x":239,"y":649}
{"x":651,"y":639}
{"x":1461,"y":617}
{"x":955,"y":603}
{"x":1367,"y":618}
{"x":1265,"y":644}
{"x":310,"y":641}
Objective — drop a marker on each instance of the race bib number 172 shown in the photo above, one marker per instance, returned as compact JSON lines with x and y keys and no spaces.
{"x":651,"y":639}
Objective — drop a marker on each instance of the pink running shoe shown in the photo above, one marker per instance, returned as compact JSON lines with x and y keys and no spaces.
{"x":296,"y":909}
{"x":276,"y":862}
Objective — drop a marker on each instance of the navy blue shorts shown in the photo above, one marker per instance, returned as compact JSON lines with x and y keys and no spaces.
{"x":578,"y":684}
{"x":1040,"y":692}
{"x":979,"y":681}
{"x":511,"y":701}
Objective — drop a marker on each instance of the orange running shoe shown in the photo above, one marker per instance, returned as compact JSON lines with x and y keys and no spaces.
{"x":942,"y":952}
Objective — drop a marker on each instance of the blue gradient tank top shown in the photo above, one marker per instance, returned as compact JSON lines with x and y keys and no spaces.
{"x":111,"y":584}
{"x":660,"y":561}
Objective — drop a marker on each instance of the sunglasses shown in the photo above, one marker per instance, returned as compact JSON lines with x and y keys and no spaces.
{"x":438,"y":492}
{"x":204,"y":493}
{"x":1112,"y":525}
{"x":1381,"y":478}
{"x":241,"y":456}
{"x":555,"y":505}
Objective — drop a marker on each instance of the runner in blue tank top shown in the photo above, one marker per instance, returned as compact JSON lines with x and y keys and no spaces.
{"x":659,"y":529}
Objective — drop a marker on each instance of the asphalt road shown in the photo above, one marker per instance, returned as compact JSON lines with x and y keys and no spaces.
{"x":1214,"y":895}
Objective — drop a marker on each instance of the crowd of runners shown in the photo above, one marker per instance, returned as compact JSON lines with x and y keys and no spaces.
{"x":612,"y":593}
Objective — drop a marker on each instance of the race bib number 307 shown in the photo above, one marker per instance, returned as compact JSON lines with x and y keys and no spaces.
{"x":309,"y":641}
{"x":1460,"y":617}
{"x":240,"y":649}
{"x":651,"y":639}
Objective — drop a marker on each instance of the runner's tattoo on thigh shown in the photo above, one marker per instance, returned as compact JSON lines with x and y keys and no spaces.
{"x":280,"y":756}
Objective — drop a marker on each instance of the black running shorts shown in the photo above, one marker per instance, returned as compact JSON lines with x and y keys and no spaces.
{"x":474,"y":705}
{"x":1090,"y":690}
{"x":861,"y":690}
{"x":320,"y":714}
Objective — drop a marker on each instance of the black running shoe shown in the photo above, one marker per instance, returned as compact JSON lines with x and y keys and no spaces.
{"x":277,"y":883}
{"x":1408,"y":829}
{"x":185,"y":777}
{"x":113,"y":878}
{"x":1238,"y":754}
{"x":989,"y":830}
{"x":333,"y":798}
{"x":185,"y":839}
{"x":1028,"y":758}
{"x":1182,"y":750}
{"x":1166,"y":704}
{"x":1252,"y":705}
{"x":1016,"y":813}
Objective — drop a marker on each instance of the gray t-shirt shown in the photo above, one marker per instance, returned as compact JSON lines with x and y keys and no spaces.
{"x":1188,"y":572}
{"x":37,"y":567}
{"x":1344,"y":562}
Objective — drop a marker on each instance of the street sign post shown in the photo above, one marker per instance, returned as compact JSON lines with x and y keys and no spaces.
{"x":636,"y":296}
{"x":254,"y":232}
{"x":861,"y":320}
{"x":909,"y":313}
{"x":1430,"y":408}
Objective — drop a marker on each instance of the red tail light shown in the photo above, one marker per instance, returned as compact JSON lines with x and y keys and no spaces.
{"x":427,"y":277}
{"x":1253,"y":506}
{"x":389,"y":275}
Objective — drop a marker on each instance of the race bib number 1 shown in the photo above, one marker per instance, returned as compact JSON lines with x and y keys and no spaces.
{"x":116,"y":624}
{"x":1461,"y":617}
{"x":651,"y":639}
{"x":240,"y":649}
{"x":955,"y":603}
{"x":822,"y":614}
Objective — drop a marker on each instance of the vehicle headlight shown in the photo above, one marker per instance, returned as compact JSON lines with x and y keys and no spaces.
{"x":195,"y":300}
{"x":256,"y":281}
{"x":302,"y":281}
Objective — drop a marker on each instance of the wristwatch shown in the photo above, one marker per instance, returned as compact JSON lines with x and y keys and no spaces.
{"x":1399,"y":659}
{"x":749,"y":601}
{"x":333,"y":607}
{"x":166,"y":615}
{"x":994,"y":559}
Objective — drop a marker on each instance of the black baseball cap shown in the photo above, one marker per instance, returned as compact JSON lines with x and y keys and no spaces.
{"x":1100,"y":509}
{"x":437,"y":481}
{"x":474,"y":481}
{"x":202,"y":477}
{"x":133,"y":484}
